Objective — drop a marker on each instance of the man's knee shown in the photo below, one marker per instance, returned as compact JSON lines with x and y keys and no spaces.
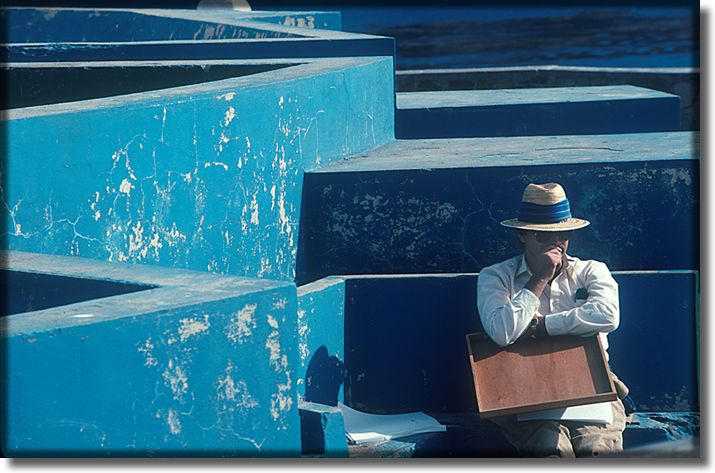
{"x":551,"y":439}
{"x":597,"y":444}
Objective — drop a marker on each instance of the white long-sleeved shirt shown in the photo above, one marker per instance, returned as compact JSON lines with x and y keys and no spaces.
{"x":506,"y":307}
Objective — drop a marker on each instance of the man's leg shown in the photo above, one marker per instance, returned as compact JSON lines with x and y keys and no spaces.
{"x":592,"y":440}
{"x":536,"y":438}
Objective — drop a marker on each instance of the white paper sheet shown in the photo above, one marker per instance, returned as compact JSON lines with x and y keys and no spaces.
{"x":599,"y":413}
{"x":362,"y":427}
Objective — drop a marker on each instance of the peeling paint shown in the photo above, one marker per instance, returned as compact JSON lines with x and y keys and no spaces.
{"x":241,"y":324}
{"x":227,"y":389}
{"x":146,"y":350}
{"x":126,"y":187}
{"x":175,"y":378}
{"x":230,"y":115}
{"x":193,"y":326}
{"x":173,"y":422}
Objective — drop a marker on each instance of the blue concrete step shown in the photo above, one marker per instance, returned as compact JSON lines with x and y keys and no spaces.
{"x":536,"y":111}
{"x":423,"y":206}
{"x":173,"y":368}
{"x":321,"y":341}
{"x":652,"y":434}
{"x":85,"y":35}
{"x":403,"y":330}
{"x":205,"y":176}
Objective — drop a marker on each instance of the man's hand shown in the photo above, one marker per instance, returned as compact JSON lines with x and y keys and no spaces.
{"x":544,"y":269}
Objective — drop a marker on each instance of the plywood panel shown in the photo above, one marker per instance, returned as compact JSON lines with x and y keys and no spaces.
{"x":532,"y":375}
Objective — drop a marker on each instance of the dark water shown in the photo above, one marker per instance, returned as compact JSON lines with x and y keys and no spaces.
{"x":489,"y":37}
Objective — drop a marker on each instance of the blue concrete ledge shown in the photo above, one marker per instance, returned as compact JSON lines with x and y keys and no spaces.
{"x":50,"y":25}
{"x":652,"y":434}
{"x":173,"y":368}
{"x":432,"y":313}
{"x":122,"y":35}
{"x":421,"y":321}
{"x":322,"y":431}
{"x":321,"y":341}
{"x":424,"y":206}
{"x":205,"y":177}
{"x":535,"y":111}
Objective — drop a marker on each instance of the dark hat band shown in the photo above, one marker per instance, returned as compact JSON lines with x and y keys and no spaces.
{"x":554,"y":213}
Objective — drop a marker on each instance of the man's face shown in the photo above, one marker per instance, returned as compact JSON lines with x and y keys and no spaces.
{"x":541,"y":242}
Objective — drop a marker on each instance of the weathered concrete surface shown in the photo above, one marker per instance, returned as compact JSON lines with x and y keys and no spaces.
{"x":121,"y":35}
{"x":535,"y":111}
{"x":681,"y":81}
{"x":31,"y":25}
{"x":200,"y":365}
{"x":405,"y":347}
{"x":422,"y":206}
{"x":205,"y":177}
{"x":321,"y":341}
{"x":29,"y":84}
{"x":322,"y":431}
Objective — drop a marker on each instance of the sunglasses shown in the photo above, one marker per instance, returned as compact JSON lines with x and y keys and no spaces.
{"x":543,"y":237}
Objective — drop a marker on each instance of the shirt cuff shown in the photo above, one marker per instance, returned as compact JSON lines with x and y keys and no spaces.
{"x":555,"y":324}
{"x":528,"y":300}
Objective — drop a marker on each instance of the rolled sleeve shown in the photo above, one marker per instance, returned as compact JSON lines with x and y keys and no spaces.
{"x":599,"y":314}
{"x":504,"y":318}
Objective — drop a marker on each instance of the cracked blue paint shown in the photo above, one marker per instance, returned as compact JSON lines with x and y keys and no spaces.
{"x":205,"y":177}
{"x":439,"y":210}
{"x":175,"y":370}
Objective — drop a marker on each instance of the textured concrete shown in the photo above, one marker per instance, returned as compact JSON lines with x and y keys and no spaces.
{"x":205,"y":177}
{"x":101,"y":35}
{"x":405,"y":347}
{"x":50,"y":25}
{"x":421,"y":206}
{"x":681,"y":81}
{"x":529,"y":112}
{"x":199,"y":365}
{"x":321,"y":341}
{"x":322,"y":431}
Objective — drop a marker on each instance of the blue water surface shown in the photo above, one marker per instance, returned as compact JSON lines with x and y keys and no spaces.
{"x":492,"y":37}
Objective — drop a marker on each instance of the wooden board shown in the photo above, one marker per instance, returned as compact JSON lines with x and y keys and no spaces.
{"x":532,"y":375}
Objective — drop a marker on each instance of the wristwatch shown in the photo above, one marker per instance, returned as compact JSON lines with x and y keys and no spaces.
{"x":533,"y":325}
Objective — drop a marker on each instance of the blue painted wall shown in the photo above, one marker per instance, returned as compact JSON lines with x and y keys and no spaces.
{"x":421,"y":206}
{"x":405,"y":347}
{"x":529,"y":112}
{"x":206,"y":177}
{"x":200,"y":366}
{"x":27,"y":25}
{"x":321,"y":341}
{"x":102,"y":35}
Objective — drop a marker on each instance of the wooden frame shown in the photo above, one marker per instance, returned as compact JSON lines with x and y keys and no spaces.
{"x":533,"y":375}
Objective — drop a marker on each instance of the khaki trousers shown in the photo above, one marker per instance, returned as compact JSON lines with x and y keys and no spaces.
{"x":553,"y":438}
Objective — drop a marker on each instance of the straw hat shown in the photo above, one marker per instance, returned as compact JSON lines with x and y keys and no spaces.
{"x":545,"y":208}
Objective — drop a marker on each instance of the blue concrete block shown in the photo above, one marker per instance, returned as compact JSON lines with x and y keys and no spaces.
{"x":335,"y":46}
{"x":655,"y":350}
{"x":92,"y":35}
{"x":423,"y":206}
{"x":321,"y":332}
{"x":528,"y":112}
{"x":30,"y":84}
{"x":322,"y":431}
{"x":205,"y":177}
{"x":30,"y":25}
{"x":405,"y":348}
{"x":199,"y":365}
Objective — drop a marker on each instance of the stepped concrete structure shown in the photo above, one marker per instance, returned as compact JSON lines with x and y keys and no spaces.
{"x":218,"y":226}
